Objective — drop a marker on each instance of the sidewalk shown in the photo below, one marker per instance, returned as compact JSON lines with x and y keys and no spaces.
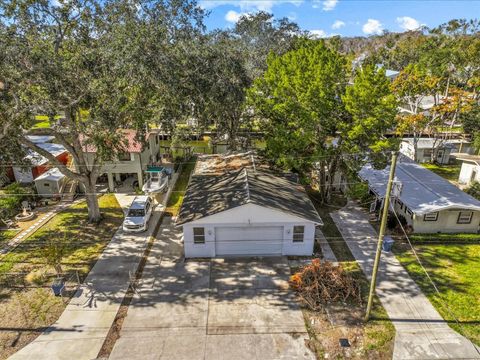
{"x":421,"y":333}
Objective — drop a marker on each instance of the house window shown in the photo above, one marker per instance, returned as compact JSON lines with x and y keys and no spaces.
{"x":409,"y":212}
{"x":46,"y":184}
{"x":124,"y":156}
{"x":298,"y":233}
{"x":464,"y":217}
{"x":431,"y":216}
{"x":199,"y":235}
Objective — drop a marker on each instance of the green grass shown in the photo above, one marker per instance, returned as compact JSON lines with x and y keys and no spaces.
{"x":6,"y":235}
{"x":441,"y":239}
{"x":178,"y":192}
{"x":84,"y":241}
{"x":41,"y":122}
{"x":455,"y":270}
{"x":448,"y":172}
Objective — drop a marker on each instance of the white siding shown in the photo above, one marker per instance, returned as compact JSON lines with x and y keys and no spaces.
{"x":446,"y":223}
{"x":466,"y":173}
{"x":255,"y":217}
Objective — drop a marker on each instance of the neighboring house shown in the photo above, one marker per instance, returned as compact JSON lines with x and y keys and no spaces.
{"x":470,"y":170}
{"x":36,"y":164}
{"x":246,"y":212}
{"x":426,"y":147}
{"x":133,"y":161}
{"x":429,"y":203}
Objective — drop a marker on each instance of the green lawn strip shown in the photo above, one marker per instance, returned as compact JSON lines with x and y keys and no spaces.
{"x":448,"y":172}
{"x":455,"y":270}
{"x":84,"y":241}
{"x":441,"y":239}
{"x":178,"y":192}
{"x":6,"y":235}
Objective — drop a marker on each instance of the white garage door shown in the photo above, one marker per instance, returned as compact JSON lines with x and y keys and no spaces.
{"x":249,"y":240}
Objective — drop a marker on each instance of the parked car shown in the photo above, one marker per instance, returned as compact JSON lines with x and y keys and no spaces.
{"x":138,"y":214}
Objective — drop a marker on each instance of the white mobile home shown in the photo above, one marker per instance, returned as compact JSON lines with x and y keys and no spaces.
{"x":428,"y":150}
{"x":246,"y":213}
{"x":429,"y":203}
{"x":470,"y":170}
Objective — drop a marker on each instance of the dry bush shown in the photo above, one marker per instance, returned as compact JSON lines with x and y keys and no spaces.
{"x":323,"y":282}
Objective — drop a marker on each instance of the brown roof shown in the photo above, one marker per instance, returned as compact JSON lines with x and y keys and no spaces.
{"x":131,"y":144}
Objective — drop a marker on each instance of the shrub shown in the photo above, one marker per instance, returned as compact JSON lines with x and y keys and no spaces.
{"x":360,"y":192}
{"x":323,"y":282}
{"x":12,"y":204}
{"x":474,"y":190}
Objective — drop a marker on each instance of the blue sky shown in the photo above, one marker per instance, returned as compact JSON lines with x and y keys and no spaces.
{"x":345,"y":17}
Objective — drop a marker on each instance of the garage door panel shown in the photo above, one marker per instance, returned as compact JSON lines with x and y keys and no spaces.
{"x":251,"y":240}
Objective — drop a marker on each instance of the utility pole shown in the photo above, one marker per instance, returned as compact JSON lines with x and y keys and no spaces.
{"x":383,"y":225}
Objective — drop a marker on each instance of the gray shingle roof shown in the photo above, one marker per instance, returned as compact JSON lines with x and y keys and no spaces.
{"x":211,"y":194}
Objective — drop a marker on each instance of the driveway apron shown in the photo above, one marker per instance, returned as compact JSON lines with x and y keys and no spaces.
{"x":218,"y":309}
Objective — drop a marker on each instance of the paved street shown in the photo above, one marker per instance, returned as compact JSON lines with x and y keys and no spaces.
{"x":219,"y":309}
{"x":421,"y":333}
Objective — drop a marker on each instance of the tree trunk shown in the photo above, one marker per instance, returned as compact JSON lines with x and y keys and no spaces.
{"x":94,"y":215}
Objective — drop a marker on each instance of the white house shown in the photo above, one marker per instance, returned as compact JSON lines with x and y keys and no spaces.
{"x":429,"y":203}
{"x":425,"y":149}
{"x":470,"y":170}
{"x":133,"y":161}
{"x":246,"y":212}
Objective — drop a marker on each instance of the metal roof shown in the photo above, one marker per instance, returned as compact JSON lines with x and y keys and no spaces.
{"x":420,"y":189}
{"x":51,"y":175}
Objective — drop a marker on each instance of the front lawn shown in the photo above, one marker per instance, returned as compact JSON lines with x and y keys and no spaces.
{"x":448,"y":172}
{"x":27,"y":304}
{"x":178,"y":192}
{"x":455,"y":270}
{"x":6,"y":235}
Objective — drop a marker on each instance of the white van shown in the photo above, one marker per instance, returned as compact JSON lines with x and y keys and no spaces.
{"x":138,"y":214}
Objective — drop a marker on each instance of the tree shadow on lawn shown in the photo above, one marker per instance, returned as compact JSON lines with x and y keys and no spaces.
{"x":81,"y":242}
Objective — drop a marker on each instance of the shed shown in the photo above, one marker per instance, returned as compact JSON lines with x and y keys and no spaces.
{"x":50,"y":183}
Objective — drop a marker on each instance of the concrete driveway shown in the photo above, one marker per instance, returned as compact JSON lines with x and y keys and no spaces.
{"x":219,"y":309}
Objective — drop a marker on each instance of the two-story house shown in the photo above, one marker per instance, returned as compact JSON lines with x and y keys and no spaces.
{"x":133,"y":161}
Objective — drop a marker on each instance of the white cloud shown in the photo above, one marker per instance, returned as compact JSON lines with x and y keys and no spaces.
{"x":372,"y":26}
{"x":248,"y":5}
{"x":233,"y":16}
{"x":318,"y":33}
{"x":329,"y":5}
{"x":408,"y":23}
{"x":338,"y":24}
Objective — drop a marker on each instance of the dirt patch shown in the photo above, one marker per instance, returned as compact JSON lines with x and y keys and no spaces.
{"x":220,"y":164}
{"x":25,"y":314}
{"x":341,"y":321}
